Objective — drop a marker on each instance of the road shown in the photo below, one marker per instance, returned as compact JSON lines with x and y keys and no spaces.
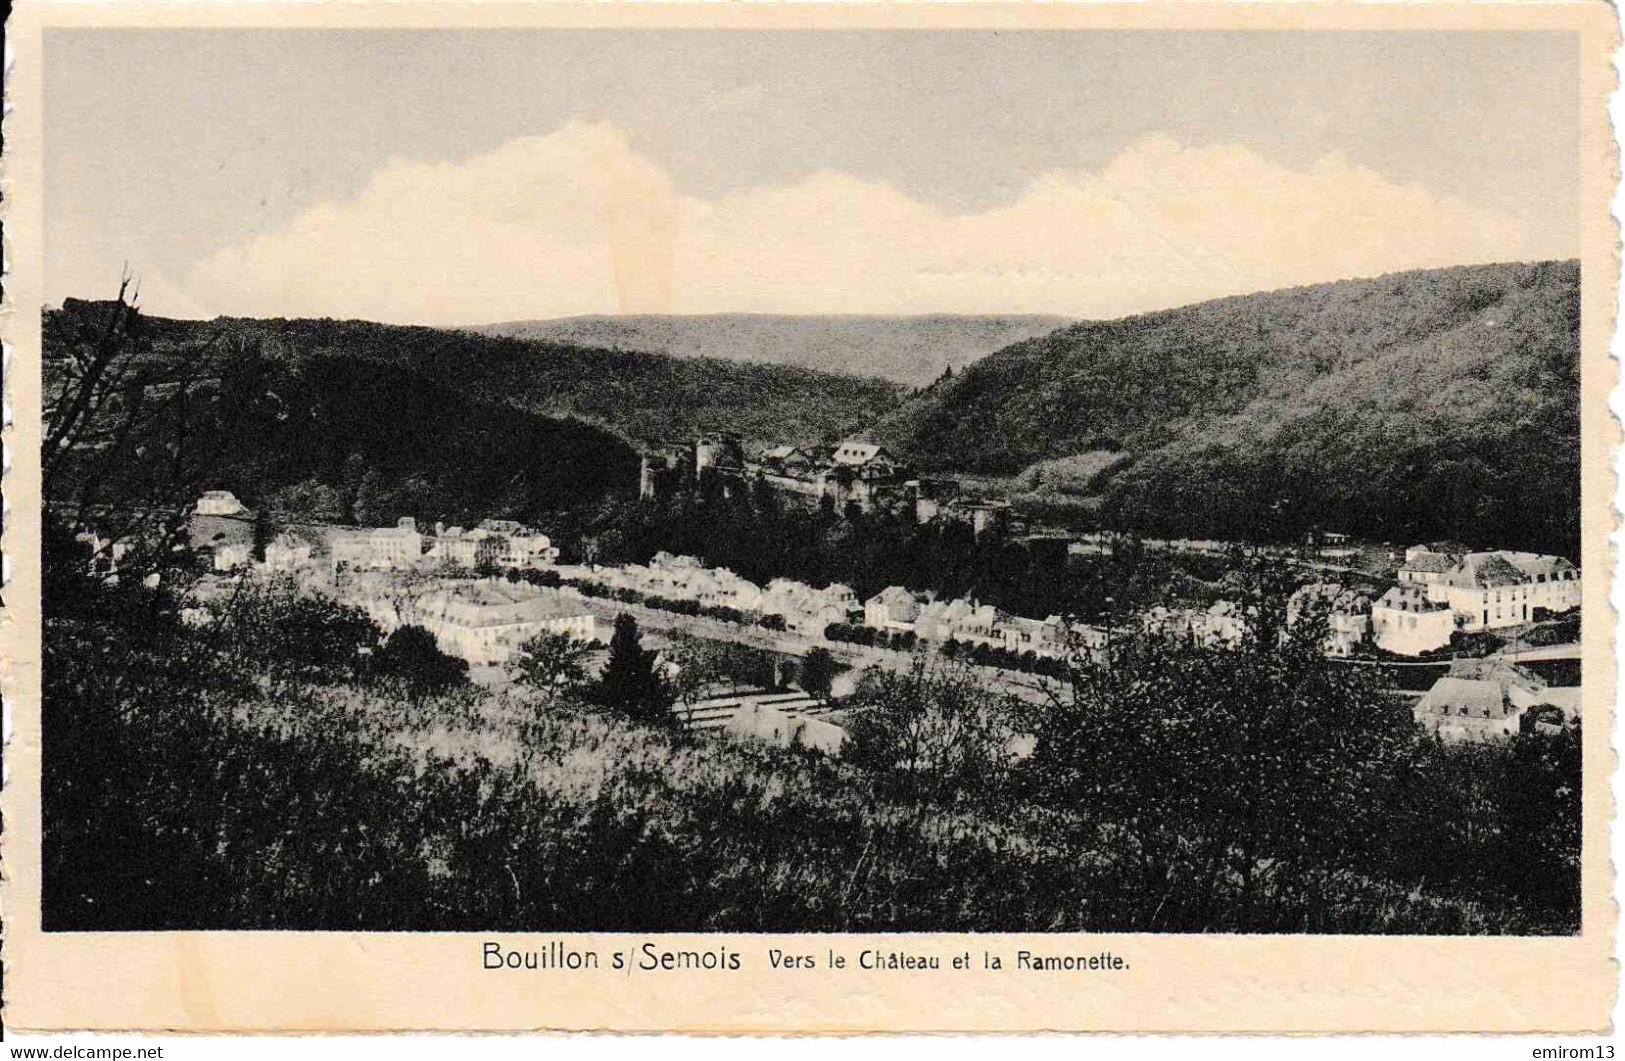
{"x":1570,"y":650}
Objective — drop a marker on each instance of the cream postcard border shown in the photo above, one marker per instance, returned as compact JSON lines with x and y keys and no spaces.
{"x":331,"y":982}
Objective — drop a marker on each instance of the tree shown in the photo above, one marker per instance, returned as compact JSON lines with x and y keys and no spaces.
{"x":264,"y":531}
{"x":631,"y":682}
{"x":1230,"y":778}
{"x":553,"y":664}
{"x":129,"y":439}
{"x":933,"y":732}
{"x":412,"y":656}
{"x":275,"y":629}
{"x":817,"y":671}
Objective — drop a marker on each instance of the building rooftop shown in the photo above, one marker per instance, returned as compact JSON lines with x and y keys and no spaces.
{"x":1410,"y":599}
{"x":1478,"y":697}
{"x":496,"y":604}
{"x":1430,"y":563}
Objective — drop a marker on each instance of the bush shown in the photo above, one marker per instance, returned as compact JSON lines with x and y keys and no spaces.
{"x":411,"y":655}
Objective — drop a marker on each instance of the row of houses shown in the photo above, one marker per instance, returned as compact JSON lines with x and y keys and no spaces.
{"x":896,"y":609}
{"x":808,"y":611}
{"x":805,"y":610}
{"x":1438,"y":594}
{"x":495,"y":542}
{"x":222,"y":527}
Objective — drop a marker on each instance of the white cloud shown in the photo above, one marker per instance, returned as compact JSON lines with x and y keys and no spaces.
{"x":577,"y":222}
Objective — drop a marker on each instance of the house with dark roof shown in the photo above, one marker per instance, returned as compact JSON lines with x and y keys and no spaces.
{"x":1492,"y":590}
{"x":1481,"y":699}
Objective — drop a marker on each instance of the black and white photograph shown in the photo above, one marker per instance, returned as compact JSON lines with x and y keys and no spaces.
{"x":883,"y":481}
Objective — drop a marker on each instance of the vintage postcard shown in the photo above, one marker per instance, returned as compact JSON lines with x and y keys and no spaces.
{"x":809,"y":519}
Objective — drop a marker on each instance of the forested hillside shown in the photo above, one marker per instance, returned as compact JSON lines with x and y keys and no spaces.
{"x":649,"y":398}
{"x":1442,"y":403}
{"x":908,"y":350}
{"x":315,"y":432}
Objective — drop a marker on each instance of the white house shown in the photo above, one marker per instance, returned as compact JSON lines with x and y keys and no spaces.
{"x":1491,"y":590}
{"x":1480,"y":699}
{"x":519,"y":546}
{"x":841,"y":596}
{"x":939,"y":620}
{"x":288,"y":552}
{"x":723,"y":588}
{"x":893,"y":608}
{"x":464,"y":548}
{"x":219,"y":503}
{"x":1405,"y":620}
{"x":806,"y":611}
{"x":1043,"y":637}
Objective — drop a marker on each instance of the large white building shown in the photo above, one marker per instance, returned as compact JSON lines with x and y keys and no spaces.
{"x":1485,"y":698}
{"x":1491,"y":590}
{"x":376,"y":548}
{"x":486,"y":622}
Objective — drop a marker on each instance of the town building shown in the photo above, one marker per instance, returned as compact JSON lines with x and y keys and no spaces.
{"x":806,"y":612}
{"x":520,"y":547}
{"x":849,"y":472}
{"x":219,"y":503}
{"x":1347,"y":613}
{"x":464,"y":548}
{"x":289,"y":552}
{"x":939,"y":620}
{"x":1480,"y":700}
{"x":376,"y":548}
{"x":1043,"y":637}
{"x":1407,"y":621}
{"x":486,"y":622}
{"x":893,"y":609}
{"x":1493,"y":590}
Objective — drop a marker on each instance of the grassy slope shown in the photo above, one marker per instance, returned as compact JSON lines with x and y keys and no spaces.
{"x":1438,"y":402}
{"x":909,"y":350}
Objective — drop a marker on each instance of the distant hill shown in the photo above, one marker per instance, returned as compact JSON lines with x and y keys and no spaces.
{"x":645,"y":398}
{"x":908,"y":350}
{"x":316,"y":432}
{"x":1440,"y":403}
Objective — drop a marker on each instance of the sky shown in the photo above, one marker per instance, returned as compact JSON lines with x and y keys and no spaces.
{"x":476,"y":176}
